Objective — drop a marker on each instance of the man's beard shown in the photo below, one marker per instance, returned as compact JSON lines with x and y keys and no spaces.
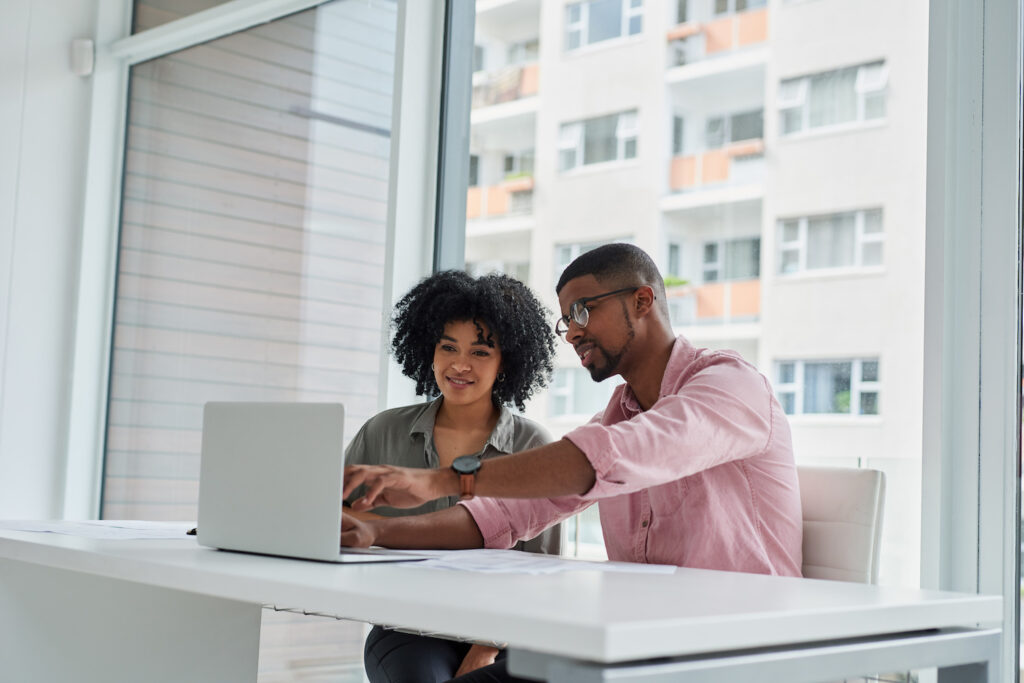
{"x":612,"y":360}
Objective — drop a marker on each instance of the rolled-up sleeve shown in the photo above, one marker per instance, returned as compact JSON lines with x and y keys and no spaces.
{"x":505,"y":521}
{"x":722,"y":413}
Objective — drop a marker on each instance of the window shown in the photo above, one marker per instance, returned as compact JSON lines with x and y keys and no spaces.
{"x":523,"y":52}
{"x":730,"y":6}
{"x":478,"y":58}
{"x":574,"y":393}
{"x":674,"y":260}
{"x":598,"y":140}
{"x":677,"y":135}
{"x":567,"y":253}
{"x":842,"y":240}
{"x":836,"y":387}
{"x":856,"y":93}
{"x":720,"y":131}
{"x":474,"y":170}
{"x":519,"y":164}
{"x":738,"y":259}
{"x":594,"y":21}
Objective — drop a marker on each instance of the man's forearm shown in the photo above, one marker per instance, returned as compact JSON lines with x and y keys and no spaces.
{"x":556,"y":469}
{"x":451,"y":529}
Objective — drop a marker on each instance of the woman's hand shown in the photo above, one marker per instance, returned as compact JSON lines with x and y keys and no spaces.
{"x":356,"y":533}
{"x":399,"y":487}
{"x":478,"y":656}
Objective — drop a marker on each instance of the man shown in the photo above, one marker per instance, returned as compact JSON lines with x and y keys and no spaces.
{"x":691,"y":460}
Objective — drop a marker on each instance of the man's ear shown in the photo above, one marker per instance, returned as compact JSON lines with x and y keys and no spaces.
{"x":643,"y":300}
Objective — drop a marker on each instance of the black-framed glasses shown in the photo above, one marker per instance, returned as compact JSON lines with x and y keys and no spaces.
{"x":580,"y":314}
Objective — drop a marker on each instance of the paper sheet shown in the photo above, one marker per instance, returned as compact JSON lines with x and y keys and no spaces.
{"x":108,"y":529}
{"x":516,"y":562}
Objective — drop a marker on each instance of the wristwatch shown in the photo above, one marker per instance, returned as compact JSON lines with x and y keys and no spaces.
{"x":466,"y":466}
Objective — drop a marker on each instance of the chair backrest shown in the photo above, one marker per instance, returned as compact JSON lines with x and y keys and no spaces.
{"x":842,"y":511}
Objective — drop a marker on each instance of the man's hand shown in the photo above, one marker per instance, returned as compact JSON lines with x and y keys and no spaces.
{"x":477,"y":657}
{"x":356,"y":533}
{"x":398,"y":487}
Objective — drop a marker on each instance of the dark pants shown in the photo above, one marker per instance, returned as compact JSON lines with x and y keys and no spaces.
{"x":396,"y":657}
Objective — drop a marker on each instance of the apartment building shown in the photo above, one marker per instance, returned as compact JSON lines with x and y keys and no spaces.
{"x":770,"y":155}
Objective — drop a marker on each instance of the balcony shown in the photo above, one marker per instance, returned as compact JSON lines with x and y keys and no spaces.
{"x":505,"y":85}
{"x":693,"y":42}
{"x":715,"y":303}
{"x":739,"y":163}
{"x":513,"y":197}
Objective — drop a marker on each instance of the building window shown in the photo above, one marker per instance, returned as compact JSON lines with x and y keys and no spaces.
{"x":738,"y":259}
{"x":474,"y":170}
{"x":522,"y":52}
{"x":598,"y":140}
{"x":675,"y":259}
{"x":478,"y":58}
{"x":720,"y":131}
{"x":852,"y":239}
{"x":574,"y":393}
{"x":594,"y":21}
{"x":848,"y":95}
{"x":677,"y":135}
{"x":732,"y":6}
{"x":519,"y":164}
{"x":567,"y":253}
{"x":835,"y":387}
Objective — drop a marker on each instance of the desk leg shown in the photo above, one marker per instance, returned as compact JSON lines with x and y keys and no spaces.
{"x":58,"y":625}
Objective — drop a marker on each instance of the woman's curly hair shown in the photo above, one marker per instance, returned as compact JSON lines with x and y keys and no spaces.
{"x":505,"y":305}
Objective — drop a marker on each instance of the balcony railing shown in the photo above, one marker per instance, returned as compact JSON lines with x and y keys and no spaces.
{"x":715,"y":303}
{"x":506,"y":85}
{"x":736,"y":164}
{"x":692,"y":42}
{"x":511,"y":197}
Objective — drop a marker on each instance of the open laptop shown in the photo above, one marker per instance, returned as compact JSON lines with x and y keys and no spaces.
{"x":270,"y":482}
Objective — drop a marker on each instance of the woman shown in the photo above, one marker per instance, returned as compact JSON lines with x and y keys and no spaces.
{"x":482,"y":344}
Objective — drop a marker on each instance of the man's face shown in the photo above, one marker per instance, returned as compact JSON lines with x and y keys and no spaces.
{"x":606,"y":339}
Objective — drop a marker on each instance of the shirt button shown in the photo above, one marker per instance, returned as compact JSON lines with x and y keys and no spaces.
{"x":644,"y":524}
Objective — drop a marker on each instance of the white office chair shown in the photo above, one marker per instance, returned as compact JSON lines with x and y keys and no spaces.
{"x":842,"y":511}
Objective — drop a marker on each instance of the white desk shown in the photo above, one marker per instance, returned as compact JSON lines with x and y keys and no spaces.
{"x":89,"y":610}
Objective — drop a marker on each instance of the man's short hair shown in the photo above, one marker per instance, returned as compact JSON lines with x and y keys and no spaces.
{"x":617,"y":265}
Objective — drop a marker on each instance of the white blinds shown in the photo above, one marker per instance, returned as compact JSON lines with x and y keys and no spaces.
{"x":252,"y":241}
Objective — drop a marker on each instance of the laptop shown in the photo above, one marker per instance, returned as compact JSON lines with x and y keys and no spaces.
{"x":270,"y":482}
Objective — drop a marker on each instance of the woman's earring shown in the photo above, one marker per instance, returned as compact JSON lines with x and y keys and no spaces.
{"x":432,"y":369}
{"x":501,"y":377}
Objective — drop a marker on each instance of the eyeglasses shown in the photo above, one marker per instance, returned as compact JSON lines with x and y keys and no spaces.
{"x":579,"y":313}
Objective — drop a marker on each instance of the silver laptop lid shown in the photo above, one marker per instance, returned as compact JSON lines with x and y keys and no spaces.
{"x":270,"y":478}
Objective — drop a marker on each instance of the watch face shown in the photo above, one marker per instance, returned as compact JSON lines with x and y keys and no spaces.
{"x":466,"y":464}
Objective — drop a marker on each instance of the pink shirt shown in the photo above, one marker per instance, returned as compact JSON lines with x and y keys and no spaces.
{"x":705,"y":478}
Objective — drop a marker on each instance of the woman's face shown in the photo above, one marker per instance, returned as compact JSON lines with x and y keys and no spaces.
{"x":465,"y":364}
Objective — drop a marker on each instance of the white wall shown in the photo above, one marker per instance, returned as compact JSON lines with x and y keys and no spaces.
{"x":44,"y":125}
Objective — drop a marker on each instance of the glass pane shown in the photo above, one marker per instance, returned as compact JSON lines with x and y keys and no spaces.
{"x":869,"y":371}
{"x":714,"y":133}
{"x":747,"y":126}
{"x":831,"y":240}
{"x":869,"y":403}
{"x":790,"y":231}
{"x":674,"y":194}
{"x":832,"y":97}
{"x":742,"y":259}
{"x":636,"y":24}
{"x":872,"y":221}
{"x":148,"y":14}
{"x":790,"y":261}
{"x":787,"y":373}
{"x":827,"y":387}
{"x":605,"y":20}
{"x":599,"y":140}
{"x":871,"y":254}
